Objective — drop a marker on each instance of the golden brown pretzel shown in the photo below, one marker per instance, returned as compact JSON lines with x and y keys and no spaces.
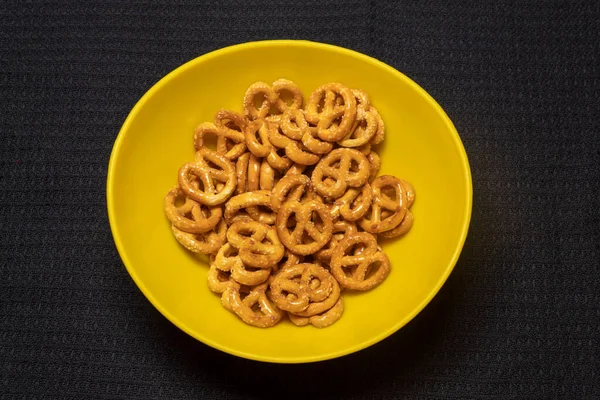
{"x":311,"y":141}
{"x":285,"y":85}
{"x":247,"y":169}
{"x":251,"y":201}
{"x":327,"y":129}
{"x":341,"y":229}
{"x":375,"y":163}
{"x":192,"y":216}
{"x":269,"y":99}
{"x":257,"y":243}
{"x":338,"y":165}
{"x":364,"y":131}
{"x":202,"y":243}
{"x":223,"y":135}
{"x":401,"y":229}
{"x":355,"y":202}
{"x":267,"y":314}
{"x":308,"y":235}
{"x":359,"y":262}
{"x":293,"y":124}
{"x":322,"y":320}
{"x":209,"y":194}
{"x":362,"y":99}
{"x":290,"y":188}
{"x":374,"y":221}
{"x":217,"y":279}
{"x":227,"y":259}
{"x":299,"y":154}
{"x":305,"y":289}
{"x":257,"y":139}
{"x":268,"y":176}
{"x":380,"y":133}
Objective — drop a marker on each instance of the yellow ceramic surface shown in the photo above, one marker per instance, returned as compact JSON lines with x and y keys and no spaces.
{"x":421,"y":145}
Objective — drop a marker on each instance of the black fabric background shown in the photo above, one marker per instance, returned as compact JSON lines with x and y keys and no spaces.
{"x":517,"y":319}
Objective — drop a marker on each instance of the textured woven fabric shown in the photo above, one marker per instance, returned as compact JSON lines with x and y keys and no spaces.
{"x":517,"y":319}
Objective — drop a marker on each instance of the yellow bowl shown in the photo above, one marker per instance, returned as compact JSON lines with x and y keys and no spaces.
{"x":421,"y":145}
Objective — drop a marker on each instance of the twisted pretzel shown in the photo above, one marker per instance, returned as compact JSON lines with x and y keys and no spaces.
{"x":311,"y":141}
{"x":285,"y":85}
{"x":367,"y":267}
{"x":227,"y":259}
{"x":257,"y":139}
{"x":337,"y":165}
{"x":307,"y":235}
{"x":408,"y":219}
{"x":202,"y":243}
{"x":192,"y":216}
{"x":322,"y":320}
{"x":209,"y":194}
{"x":257,"y":243}
{"x":326,"y":128}
{"x":375,"y":221}
{"x":269,"y":99}
{"x":355,"y":203}
{"x":364,"y":131}
{"x":341,"y":229}
{"x":251,"y":202}
{"x":267,"y":314}
{"x":293,"y":124}
{"x":304,"y":289}
{"x":217,"y":279}
{"x":299,"y":154}
{"x":223,"y":136}
{"x":291,"y":188}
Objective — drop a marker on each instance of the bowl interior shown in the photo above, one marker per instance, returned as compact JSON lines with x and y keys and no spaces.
{"x":421,"y":146}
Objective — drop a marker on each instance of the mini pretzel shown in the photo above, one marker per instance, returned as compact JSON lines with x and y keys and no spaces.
{"x":375,"y":163}
{"x":248,"y":236}
{"x":257,"y":139}
{"x":305,"y":237}
{"x":359,"y":263}
{"x":209,"y":195}
{"x":267,"y":314}
{"x":355,"y":203}
{"x":251,"y":201}
{"x":247,"y":169}
{"x":326,"y":128}
{"x":304,"y":289}
{"x":374,"y":221}
{"x":311,"y":141}
{"x":299,"y":154}
{"x":223,"y":135}
{"x":269,"y":99}
{"x":227,"y":259}
{"x":401,"y":229}
{"x":202,"y":243}
{"x":380,"y":133}
{"x":285,"y":85}
{"x":362,"y":99}
{"x":341,"y":229}
{"x":217,"y":279}
{"x":323,"y":320}
{"x":192,"y":216}
{"x":337,"y":165}
{"x":361,"y":135}
{"x":293,"y":124}
{"x":290,"y":188}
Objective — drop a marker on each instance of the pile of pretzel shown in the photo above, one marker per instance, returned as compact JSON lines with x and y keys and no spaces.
{"x":289,"y":205}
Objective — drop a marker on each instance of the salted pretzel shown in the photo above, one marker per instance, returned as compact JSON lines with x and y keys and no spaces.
{"x":307,"y":234}
{"x":341,"y":229}
{"x":355,"y":202}
{"x":202,"y":243}
{"x":200,"y":168}
{"x":322,"y":320}
{"x":257,"y":243}
{"x":375,"y":163}
{"x":268,"y":95}
{"x":314,"y":144}
{"x":291,"y":188}
{"x":228,"y":259}
{"x":359,"y":270}
{"x":192,"y":216}
{"x":325,"y":119}
{"x":338,"y":165}
{"x":293,"y":124}
{"x":408,"y":219}
{"x":223,"y":136}
{"x":217,"y":279}
{"x":304,"y":289}
{"x":281,"y":86}
{"x":299,"y":154}
{"x":374,"y":220}
{"x":364,"y":130}
{"x":250,"y":202}
{"x":243,"y":302}
{"x":362,"y":99}
{"x":257,"y":139}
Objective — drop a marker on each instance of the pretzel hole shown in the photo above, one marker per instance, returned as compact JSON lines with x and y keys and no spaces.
{"x":317,"y":220}
{"x":280,"y":152}
{"x":355,"y":249}
{"x":223,"y":276}
{"x":259,"y":99}
{"x":264,"y":210}
{"x":232,"y":125}
{"x":179,"y":201}
{"x":354,"y":166}
{"x":349,"y":270}
{"x":256,"y":308}
{"x":287,"y":97}
{"x":291,"y":222}
{"x":306,"y":238}
{"x":372,"y":269}
{"x":210,"y":142}
{"x":314,"y":283}
{"x":231,"y":252}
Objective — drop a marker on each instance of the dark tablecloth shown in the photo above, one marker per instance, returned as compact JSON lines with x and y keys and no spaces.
{"x":519,"y":316}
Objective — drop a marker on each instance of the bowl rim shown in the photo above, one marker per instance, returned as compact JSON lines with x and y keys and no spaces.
{"x":261,"y":44}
